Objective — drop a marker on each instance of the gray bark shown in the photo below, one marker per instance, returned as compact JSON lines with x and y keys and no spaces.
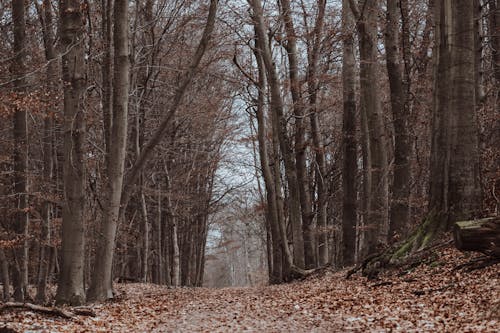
{"x":48,"y":152}
{"x":20,"y":136}
{"x":280,"y":128}
{"x":70,"y":288}
{"x":300,"y":167}
{"x":101,"y":282}
{"x":377,"y":205}
{"x":397,"y":68}
{"x":349,"y":144}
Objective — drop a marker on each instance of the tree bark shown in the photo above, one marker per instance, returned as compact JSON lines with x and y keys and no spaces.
{"x":377,"y":205}
{"x":349,"y":144}
{"x":4,"y":267}
{"x":280,"y":128}
{"x":300,"y":142}
{"x":70,"y":288}
{"x":48,"y":151}
{"x":101,"y":283}
{"x":20,"y":136}
{"x":398,"y":72}
{"x":272,"y":206}
{"x":319,"y":150}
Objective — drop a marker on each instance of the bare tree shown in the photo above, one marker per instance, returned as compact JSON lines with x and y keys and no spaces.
{"x":20,"y":223}
{"x":70,"y":288}
{"x":349,"y":144}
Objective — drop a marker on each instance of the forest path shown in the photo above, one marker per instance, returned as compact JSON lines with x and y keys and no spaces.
{"x":434,"y":297}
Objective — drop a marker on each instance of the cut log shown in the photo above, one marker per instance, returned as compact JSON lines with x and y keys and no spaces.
{"x":478,"y":235}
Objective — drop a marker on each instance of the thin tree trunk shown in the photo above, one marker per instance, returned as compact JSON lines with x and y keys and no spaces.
{"x":145,"y":237}
{"x":280,"y":127}
{"x":70,"y":288}
{"x":300,"y":142}
{"x":174,"y":236}
{"x":4,"y":266}
{"x":350,"y":165}
{"x":319,"y":150}
{"x":48,"y":165}
{"x":272,"y":206}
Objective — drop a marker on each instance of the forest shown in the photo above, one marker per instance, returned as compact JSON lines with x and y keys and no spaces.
{"x":296,"y":162}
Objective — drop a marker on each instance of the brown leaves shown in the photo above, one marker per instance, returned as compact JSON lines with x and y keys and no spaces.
{"x":431,"y":298}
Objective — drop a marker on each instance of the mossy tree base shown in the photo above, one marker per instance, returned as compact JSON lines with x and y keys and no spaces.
{"x":399,"y":253}
{"x":480,"y":235}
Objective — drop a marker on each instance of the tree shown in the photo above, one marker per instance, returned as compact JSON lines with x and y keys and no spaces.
{"x":349,"y":144}
{"x":376,"y":168}
{"x":398,"y":70}
{"x":46,"y":250}
{"x":102,"y":286}
{"x":70,"y":288}
{"x":279,"y":126}
{"x":20,"y":223}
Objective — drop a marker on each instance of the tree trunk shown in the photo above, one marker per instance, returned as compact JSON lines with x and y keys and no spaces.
{"x":399,"y":88}
{"x":4,"y":267}
{"x":272,"y":206}
{"x":280,"y":128}
{"x":70,"y":288}
{"x":319,"y":150}
{"x":20,"y":223}
{"x":377,"y":206}
{"x":101,"y":287}
{"x":349,"y":144}
{"x":48,"y":165}
{"x":300,"y":142}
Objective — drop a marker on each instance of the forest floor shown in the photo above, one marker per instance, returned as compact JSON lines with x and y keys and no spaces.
{"x":439,"y":295}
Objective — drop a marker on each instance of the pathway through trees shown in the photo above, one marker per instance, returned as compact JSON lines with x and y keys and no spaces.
{"x":440,"y":295}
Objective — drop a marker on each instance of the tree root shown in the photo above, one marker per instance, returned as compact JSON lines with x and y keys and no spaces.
{"x":410,"y":252}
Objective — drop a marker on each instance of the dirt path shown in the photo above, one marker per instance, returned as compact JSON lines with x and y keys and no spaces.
{"x":432,"y":298}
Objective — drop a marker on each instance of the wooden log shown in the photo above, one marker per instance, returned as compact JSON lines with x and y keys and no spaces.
{"x":478,"y":235}
{"x":64,"y":313}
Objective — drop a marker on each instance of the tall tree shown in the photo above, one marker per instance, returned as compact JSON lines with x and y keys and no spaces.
{"x":454,"y":189}
{"x":46,"y":250}
{"x":349,"y":144}
{"x":279,"y":123}
{"x":101,"y":286}
{"x":313,"y":55}
{"x":70,"y":288}
{"x":376,"y":155}
{"x":20,"y":223}
{"x":397,"y":61}
{"x":300,"y":136}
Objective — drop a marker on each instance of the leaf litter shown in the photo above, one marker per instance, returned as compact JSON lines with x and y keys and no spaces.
{"x":433,"y":297}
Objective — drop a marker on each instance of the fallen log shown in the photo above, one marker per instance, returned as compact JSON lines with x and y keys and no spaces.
{"x":478,"y":235}
{"x":37,"y":308}
{"x":67,"y":314}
